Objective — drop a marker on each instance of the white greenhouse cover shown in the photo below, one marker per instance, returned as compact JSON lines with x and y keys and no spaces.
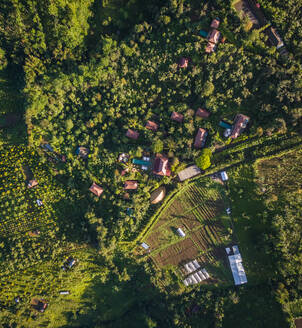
{"x":237,"y":269}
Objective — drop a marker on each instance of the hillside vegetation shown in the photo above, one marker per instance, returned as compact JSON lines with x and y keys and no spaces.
{"x":77,"y":73}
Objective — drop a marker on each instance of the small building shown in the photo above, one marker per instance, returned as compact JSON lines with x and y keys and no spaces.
{"x":200,"y":138}
{"x":123,"y":158}
{"x":130,"y":185}
{"x":96,"y":189}
{"x":132,"y":134}
{"x":202,"y":113}
{"x":227,"y":133}
{"x":32,"y":183}
{"x":47,"y":147}
{"x":64,"y":292}
{"x":240,"y":123}
{"x":183,"y":62}
{"x":83,"y":152}
{"x":274,"y":38}
{"x":39,"y":202}
{"x":126,"y":196}
{"x":214,"y":36}
{"x":189,"y":172}
{"x":145,"y":246}
{"x":161,"y":165}
{"x":177,"y":117}
{"x":224,"y":176}
{"x":158,"y":195}
{"x":215,"y":23}
{"x":39,"y":305}
{"x":180,"y":232}
{"x":151,"y":126}
{"x":211,"y":47}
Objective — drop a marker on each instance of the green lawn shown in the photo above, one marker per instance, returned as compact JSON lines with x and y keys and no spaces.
{"x":249,"y":212}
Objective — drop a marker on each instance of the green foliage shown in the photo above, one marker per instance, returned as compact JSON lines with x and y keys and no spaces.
{"x":93,"y":69}
{"x":157,"y":146}
{"x":204,"y":160}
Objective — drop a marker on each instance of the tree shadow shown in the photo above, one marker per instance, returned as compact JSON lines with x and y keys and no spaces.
{"x":12,"y":109}
{"x":71,"y":221}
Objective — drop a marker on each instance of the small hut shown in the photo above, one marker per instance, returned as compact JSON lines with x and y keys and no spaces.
{"x":132,"y":134}
{"x":200,"y":138}
{"x":151,"y":126}
{"x":177,"y":117}
{"x":39,"y":305}
{"x":180,"y":232}
{"x":32,"y":183}
{"x":161,"y":165}
{"x":202,"y":113}
{"x":130,"y":185}
{"x":215,"y":23}
{"x":183,"y":62}
{"x":214,"y":36}
{"x":158,"y":195}
{"x":96,"y":189}
{"x":82,"y":152}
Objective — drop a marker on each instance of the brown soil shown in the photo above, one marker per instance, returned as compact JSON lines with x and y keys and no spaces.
{"x":177,"y":254}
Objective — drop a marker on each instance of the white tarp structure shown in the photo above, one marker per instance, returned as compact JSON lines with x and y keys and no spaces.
{"x":224,"y":176}
{"x":237,"y":267}
{"x":180,"y":232}
{"x":145,"y":246}
{"x":195,"y":276}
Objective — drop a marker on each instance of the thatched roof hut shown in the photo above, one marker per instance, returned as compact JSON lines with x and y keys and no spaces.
{"x":158,"y":195}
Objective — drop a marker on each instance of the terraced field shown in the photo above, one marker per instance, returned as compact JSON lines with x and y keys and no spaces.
{"x":198,"y":211}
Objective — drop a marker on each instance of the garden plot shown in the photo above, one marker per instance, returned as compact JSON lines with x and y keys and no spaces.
{"x":176,"y":254}
{"x":197,"y":210}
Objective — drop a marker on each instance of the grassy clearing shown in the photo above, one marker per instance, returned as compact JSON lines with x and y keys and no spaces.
{"x":248,"y":211}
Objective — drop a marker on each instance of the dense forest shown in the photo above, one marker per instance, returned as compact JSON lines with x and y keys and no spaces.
{"x":80,"y":74}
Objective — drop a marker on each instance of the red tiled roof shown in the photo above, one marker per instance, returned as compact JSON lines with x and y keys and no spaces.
{"x":215,"y":23}
{"x":177,"y":117}
{"x":130,"y":185}
{"x":202,"y":113}
{"x":213,"y":36}
{"x":210,"y":47}
{"x":132,"y":134}
{"x":161,"y":166}
{"x":200,"y":138}
{"x":151,"y":126}
{"x":96,"y":189}
{"x":183,"y":62}
{"x":239,"y":125}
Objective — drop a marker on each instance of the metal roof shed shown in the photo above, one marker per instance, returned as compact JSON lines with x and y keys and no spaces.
{"x":181,"y":233}
{"x":224,"y":176}
{"x":145,"y":246}
{"x":237,"y":269}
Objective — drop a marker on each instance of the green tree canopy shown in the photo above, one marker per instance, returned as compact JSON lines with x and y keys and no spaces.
{"x":204,"y":160}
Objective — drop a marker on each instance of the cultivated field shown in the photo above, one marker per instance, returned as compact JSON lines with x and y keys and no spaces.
{"x":198,"y":210}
